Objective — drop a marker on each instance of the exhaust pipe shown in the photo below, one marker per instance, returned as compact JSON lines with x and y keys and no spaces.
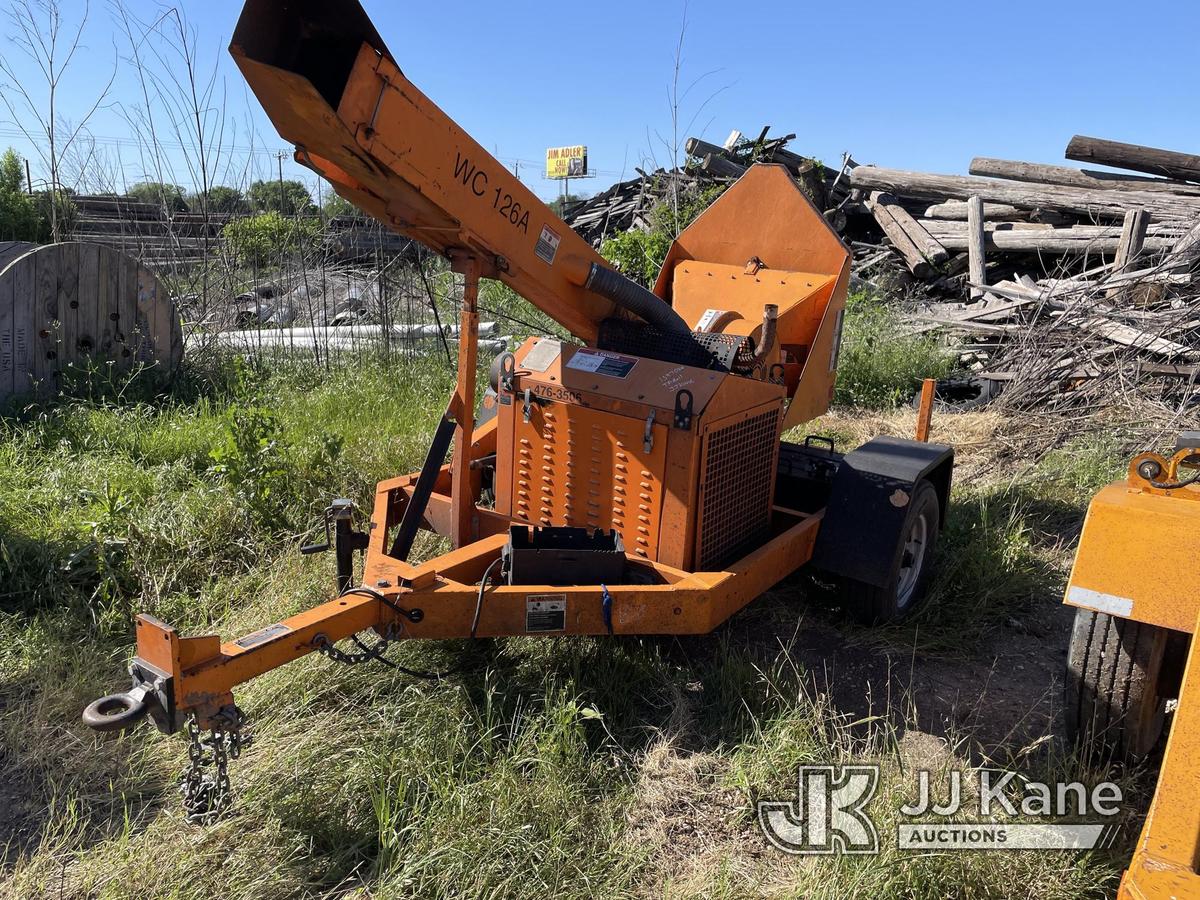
{"x":770,"y":321}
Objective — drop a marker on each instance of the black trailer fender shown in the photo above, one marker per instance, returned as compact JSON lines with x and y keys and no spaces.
{"x":868,"y":502}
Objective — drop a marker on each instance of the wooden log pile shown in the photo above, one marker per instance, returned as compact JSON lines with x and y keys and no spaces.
{"x":1066,"y":286}
{"x":627,"y":205}
{"x":1032,"y":218}
{"x":1069,"y":288}
{"x":166,"y":238}
{"x":624,"y":206}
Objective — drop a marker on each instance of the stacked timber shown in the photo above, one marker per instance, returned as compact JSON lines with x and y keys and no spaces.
{"x":1033,"y":218}
{"x":628,"y":205}
{"x":145,"y":231}
{"x":1068,"y":287}
{"x":1063,"y":286}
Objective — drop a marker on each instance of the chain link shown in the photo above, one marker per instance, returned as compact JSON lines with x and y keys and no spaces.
{"x":325,"y":647}
{"x":205,"y":784}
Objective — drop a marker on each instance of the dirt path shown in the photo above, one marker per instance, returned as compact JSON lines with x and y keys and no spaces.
{"x":1005,"y":695}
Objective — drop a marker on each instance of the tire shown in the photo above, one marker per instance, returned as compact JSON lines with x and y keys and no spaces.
{"x":1114,"y":701}
{"x":911,"y":568}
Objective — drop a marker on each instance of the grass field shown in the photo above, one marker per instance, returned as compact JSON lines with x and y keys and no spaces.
{"x":570,"y":767}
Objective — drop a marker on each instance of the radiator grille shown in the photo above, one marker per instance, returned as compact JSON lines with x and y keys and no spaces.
{"x":735,"y":499}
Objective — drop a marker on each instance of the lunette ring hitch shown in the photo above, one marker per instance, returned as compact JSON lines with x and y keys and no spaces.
{"x":116,"y":712}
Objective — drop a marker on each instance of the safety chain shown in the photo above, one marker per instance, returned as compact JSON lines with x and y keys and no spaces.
{"x":205,"y":784}
{"x":325,"y":647}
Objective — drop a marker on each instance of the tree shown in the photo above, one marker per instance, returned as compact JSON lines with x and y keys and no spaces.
{"x":289,"y":198}
{"x":19,"y":217}
{"x":336,"y":205}
{"x":169,"y":196}
{"x":37,"y":30}
{"x":223,"y":199}
{"x":560,"y":203}
{"x":257,"y":240}
{"x":639,"y":254}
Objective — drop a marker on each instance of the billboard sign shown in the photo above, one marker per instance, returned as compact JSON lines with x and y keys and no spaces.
{"x":566,"y":162}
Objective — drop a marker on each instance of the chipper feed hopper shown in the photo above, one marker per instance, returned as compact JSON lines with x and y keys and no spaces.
{"x":1136,"y":588}
{"x":636,"y":479}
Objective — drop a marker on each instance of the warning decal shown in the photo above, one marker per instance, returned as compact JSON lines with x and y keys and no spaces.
{"x":601,"y":362}
{"x":547,"y":245}
{"x":545,"y":612}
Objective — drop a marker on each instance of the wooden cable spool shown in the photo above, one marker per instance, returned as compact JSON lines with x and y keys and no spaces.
{"x":75,"y":307}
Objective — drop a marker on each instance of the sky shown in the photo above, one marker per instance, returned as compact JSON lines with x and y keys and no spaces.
{"x":923,"y":86}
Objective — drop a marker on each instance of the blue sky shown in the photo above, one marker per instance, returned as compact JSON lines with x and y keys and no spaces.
{"x":920,"y":86}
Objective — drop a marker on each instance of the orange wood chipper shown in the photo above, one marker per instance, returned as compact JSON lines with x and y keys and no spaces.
{"x":635,"y":480}
{"x":1136,"y":587}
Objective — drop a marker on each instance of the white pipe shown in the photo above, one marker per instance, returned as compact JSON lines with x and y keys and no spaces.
{"x":401,"y":332}
{"x":283,"y":340}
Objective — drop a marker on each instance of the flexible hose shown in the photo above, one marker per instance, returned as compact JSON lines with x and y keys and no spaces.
{"x":1175,"y":485}
{"x":629,"y":295}
{"x":482,"y":587}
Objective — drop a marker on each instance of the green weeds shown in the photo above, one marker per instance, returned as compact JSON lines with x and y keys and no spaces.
{"x":880,"y":366}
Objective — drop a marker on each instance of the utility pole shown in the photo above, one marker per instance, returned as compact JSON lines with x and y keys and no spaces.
{"x":28,"y":178}
{"x":282,"y":210}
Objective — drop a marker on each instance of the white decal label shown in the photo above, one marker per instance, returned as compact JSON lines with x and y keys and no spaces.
{"x":1100,"y":602}
{"x":601,"y":362}
{"x":545,"y":612}
{"x":706,"y":320}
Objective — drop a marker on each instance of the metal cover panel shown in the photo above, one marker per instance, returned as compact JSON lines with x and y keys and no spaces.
{"x":700,"y":285}
{"x":862,"y":522}
{"x":573,"y":465}
{"x":653,"y":383}
{"x":545,"y":352}
{"x":1141,"y":548}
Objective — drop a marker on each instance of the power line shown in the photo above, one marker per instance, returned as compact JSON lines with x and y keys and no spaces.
{"x":272,"y":152}
{"x":168,"y":145}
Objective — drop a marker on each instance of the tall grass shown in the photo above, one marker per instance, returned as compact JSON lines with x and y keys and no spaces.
{"x":531,"y":774}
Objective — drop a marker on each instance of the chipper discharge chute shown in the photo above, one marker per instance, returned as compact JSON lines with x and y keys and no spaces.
{"x":1136,"y":588}
{"x":640,"y":483}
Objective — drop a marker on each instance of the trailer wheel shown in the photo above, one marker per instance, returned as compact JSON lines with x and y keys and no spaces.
{"x":1114,"y":701}
{"x":911,"y":567}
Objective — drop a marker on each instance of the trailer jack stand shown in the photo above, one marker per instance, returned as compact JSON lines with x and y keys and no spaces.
{"x":345,"y":540}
